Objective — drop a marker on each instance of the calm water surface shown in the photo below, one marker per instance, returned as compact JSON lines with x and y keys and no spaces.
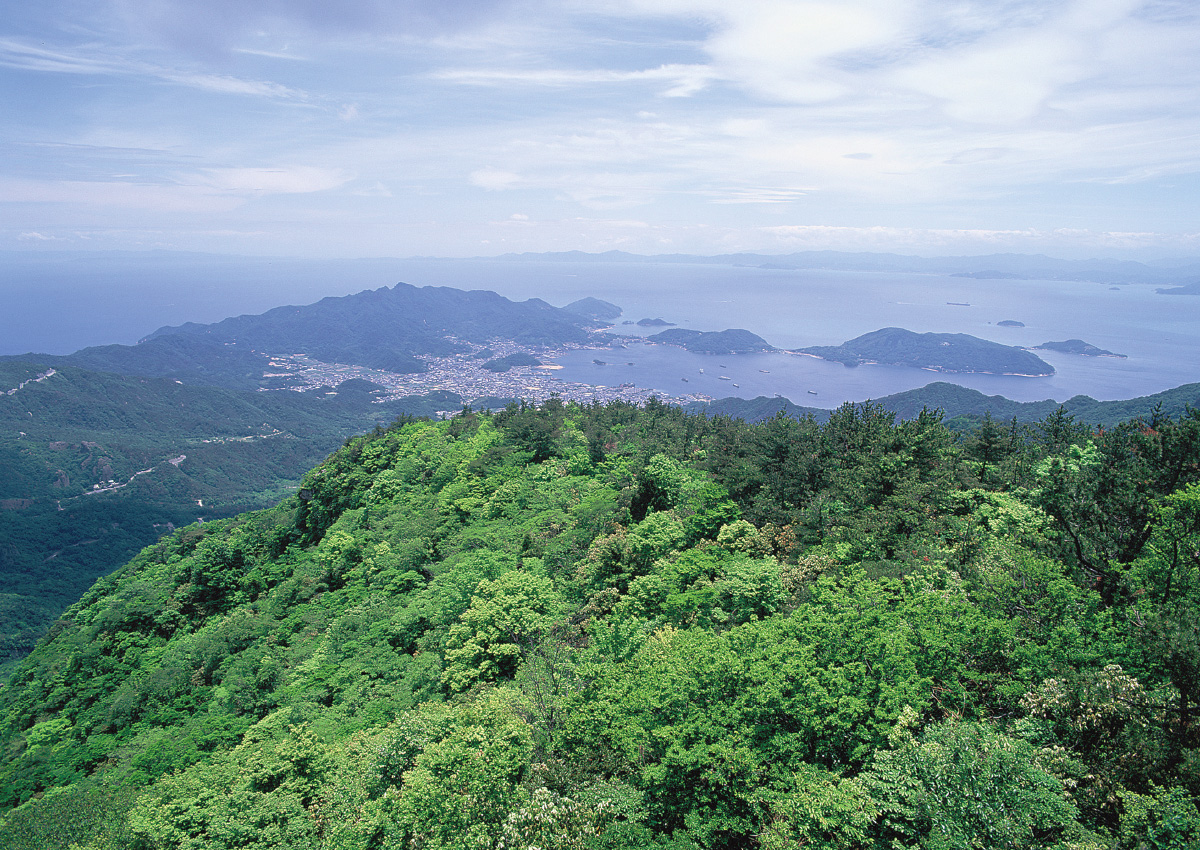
{"x":61,"y":304}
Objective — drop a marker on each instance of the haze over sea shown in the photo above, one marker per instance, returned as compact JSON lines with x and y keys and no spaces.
{"x":59,"y":303}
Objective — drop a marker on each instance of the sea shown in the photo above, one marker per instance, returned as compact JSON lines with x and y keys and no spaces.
{"x":58,"y":303}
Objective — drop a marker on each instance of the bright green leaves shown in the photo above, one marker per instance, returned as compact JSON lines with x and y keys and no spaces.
{"x":256,"y":796}
{"x":961,"y":786}
{"x":821,"y":810}
{"x":706,"y":587}
{"x":504,"y":619}
{"x":463,"y":785}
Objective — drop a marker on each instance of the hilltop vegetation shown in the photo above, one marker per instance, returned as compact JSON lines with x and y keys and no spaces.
{"x":612,"y":627}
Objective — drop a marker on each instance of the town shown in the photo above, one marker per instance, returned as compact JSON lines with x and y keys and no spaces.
{"x":465,"y":374}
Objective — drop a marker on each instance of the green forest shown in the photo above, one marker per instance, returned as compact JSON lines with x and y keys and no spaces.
{"x":95,"y":466}
{"x":608,"y":627}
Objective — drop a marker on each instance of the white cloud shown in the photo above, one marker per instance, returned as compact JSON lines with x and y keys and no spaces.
{"x":114,"y":195}
{"x":231,"y":85}
{"x":93,"y":61}
{"x":291,"y":180}
{"x":680,"y":80}
{"x":696,"y":112}
{"x":494,"y":179}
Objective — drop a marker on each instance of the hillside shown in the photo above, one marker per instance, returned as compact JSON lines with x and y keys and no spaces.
{"x":613,"y":627}
{"x":97,"y":466}
{"x":937,"y":352}
{"x":389,"y":329}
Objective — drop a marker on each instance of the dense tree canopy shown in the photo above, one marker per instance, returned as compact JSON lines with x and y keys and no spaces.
{"x":619,"y":627}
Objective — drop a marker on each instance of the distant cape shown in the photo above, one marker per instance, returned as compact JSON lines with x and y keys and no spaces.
{"x":933,"y":351}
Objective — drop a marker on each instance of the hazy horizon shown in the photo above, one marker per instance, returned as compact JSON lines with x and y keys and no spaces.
{"x":368,"y":129}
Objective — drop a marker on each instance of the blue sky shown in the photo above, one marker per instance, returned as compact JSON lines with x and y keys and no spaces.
{"x":477,"y":127}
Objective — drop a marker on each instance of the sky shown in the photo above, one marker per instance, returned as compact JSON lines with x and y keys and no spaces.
{"x":368,"y":128}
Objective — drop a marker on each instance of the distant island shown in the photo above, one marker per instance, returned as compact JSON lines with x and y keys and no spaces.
{"x":933,"y":351}
{"x":655,"y":323}
{"x":1192,"y":288}
{"x":990,"y":274}
{"x":731,"y":341}
{"x":594,"y":308}
{"x":1078,"y":346}
{"x":1010,"y":323}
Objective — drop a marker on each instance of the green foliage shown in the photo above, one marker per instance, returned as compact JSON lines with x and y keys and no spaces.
{"x":611,"y":627}
{"x":965,"y":785}
{"x":504,"y":619}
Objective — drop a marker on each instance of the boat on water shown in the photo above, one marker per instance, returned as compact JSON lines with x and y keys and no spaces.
{"x":765,"y":371}
{"x":738,"y":386}
{"x":685,"y":380}
{"x":812,"y":392}
{"x":724,"y":378}
{"x":701,"y":371}
{"x":958,"y":303}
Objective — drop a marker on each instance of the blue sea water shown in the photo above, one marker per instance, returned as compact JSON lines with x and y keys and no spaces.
{"x":60,"y":303}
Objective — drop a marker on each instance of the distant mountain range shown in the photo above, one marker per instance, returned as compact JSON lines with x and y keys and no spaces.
{"x":1185,"y":274}
{"x":389,"y":329}
{"x":965,"y":406}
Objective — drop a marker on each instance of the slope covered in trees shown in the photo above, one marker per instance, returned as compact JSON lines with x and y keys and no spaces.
{"x":612,"y":627}
{"x":95,"y":466}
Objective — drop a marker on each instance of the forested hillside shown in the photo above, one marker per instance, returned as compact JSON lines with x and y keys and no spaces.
{"x":613,"y":627}
{"x":94,"y":466}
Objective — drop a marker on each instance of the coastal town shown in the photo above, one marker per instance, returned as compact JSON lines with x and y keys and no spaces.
{"x":466,"y":375}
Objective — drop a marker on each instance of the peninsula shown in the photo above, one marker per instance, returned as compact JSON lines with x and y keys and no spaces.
{"x":1078,"y":346}
{"x":935,"y":352}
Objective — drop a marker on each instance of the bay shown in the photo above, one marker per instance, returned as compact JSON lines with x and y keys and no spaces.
{"x":59,"y":303}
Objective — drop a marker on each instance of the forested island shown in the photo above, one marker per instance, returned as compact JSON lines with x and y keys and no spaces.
{"x":594,"y":308}
{"x":609,"y":626}
{"x":1078,"y":346}
{"x":730,"y":341}
{"x":934,"y":351}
